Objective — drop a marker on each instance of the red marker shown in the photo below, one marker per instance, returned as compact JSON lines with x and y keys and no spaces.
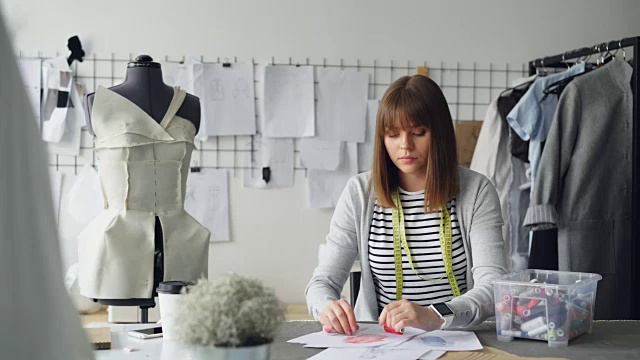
{"x":391,"y":330}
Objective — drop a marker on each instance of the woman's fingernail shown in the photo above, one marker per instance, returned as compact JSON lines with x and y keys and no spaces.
{"x":326,"y":329}
{"x":354,"y":328}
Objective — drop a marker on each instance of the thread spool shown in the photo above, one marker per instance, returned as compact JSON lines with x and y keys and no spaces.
{"x":510,"y":333}
{"x":501,"y":307}
{"x":537,"y":331}
{"x":533,"y":324}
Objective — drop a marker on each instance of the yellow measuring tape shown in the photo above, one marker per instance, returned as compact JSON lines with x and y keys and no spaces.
{"x":400,"y":240}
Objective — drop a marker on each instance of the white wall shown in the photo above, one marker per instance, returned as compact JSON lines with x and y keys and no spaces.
{"x":275,"y":237}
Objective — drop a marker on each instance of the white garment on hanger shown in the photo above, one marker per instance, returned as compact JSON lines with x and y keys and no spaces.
{"x":491,"y":158}
{"x":143,"y":169}
{"x":38,"y":319}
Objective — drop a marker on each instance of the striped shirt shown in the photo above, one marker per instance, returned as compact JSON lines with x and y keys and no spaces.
{"x":423,"y":238}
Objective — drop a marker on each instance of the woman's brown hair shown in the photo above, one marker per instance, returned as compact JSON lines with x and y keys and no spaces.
{"x":417,"y":101}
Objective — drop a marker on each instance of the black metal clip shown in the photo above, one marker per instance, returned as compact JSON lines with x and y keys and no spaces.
{"x":266,"y":174}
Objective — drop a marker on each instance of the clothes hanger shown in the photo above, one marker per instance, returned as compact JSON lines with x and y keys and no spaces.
{"x":558,"y":86}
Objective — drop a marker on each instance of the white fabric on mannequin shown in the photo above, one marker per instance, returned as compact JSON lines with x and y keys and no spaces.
{"x":38,"y":319}
{"x":143,"y":168}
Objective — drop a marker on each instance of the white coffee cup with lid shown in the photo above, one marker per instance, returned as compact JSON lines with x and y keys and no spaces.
{"x":170,"y":297}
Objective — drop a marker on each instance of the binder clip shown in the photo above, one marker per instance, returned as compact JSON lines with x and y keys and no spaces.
{"x":266,"y":174}
{"x":195,"y":168}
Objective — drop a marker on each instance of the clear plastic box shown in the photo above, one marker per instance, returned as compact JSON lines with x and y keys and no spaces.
{"x":554,"y":306}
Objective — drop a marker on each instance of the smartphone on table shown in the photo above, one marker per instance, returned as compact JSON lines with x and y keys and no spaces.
{"x":149,"y":333}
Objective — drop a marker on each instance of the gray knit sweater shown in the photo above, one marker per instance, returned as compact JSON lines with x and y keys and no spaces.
{"x":480,"y":220}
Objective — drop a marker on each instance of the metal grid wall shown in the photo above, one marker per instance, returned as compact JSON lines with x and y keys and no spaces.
{"x":469,"y":88}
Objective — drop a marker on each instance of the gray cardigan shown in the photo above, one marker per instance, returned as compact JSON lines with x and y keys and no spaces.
{"x":480,"y":221}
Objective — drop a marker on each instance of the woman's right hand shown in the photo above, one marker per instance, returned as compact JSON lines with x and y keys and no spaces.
{"x":339,"y":317}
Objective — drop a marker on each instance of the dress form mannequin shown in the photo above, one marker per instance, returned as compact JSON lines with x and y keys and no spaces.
{"x":144,"y":87}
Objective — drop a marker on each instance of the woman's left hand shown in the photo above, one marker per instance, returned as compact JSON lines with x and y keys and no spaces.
{"x":404,"y":313}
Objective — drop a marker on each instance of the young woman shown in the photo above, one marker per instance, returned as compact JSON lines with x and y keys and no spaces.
{"x":426,"y":231}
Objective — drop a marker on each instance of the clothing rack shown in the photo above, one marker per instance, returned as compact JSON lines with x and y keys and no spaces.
{"x":561,"y":60}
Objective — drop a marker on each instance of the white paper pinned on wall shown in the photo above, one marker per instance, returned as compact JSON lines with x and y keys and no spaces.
{"x":207,"y":200}
{"x":56,"y":77}
{"x":229,"y":99}
{"x":289,"y":109}
{"x":365,"y":149}
{"x":325,"y":187}
{"x":320,"y":154}
{"x":342,"y":105}
{"x":198,"y":90}
{"x":259,"y":90}
{"x":69,"y":143}
{"x":268,"y":163}
{"x":180,"y":74}
{"x":30,"y":69}
{"x":85,"y":200}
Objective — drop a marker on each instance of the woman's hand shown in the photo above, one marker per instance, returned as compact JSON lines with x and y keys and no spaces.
{"x":339,"y":317}
{"x":400,"y":314}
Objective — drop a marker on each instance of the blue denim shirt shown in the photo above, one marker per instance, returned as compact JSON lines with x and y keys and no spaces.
{"x":531,"y":118}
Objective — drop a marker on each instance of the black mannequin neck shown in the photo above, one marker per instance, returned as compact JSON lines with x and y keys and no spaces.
{"x":138,"y":76}
{"x":144,"y":86}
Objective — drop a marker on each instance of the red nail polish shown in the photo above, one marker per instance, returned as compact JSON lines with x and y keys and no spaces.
{"x":391,"y":330}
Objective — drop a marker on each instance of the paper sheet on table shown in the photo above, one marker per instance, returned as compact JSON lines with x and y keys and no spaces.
{"x":325,"y":187}
{"x":276,"y":155}
{"x":319,"y":154}
{"x":31,"y":69}
{"x":367,"y":353}
{"x":229,"y":99}
{"x":55,"y":179}
{"x":69,"y":144}
{"x":444,"y":341}
{"x":342,"y":105}
{"x":85,"y":198}
{"x":432,"y":355}
{"x":368,"y":335}
{"x":289,"y":101}
{"x":365,"y":149}
{"x":207,"y":200}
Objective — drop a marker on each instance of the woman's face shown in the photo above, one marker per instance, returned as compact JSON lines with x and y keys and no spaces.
{"x":408,"y":148}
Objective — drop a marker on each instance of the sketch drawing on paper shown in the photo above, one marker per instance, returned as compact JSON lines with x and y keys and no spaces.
{"x":373,"y":353}
{"x":435,"y":341}
{"x":241,"y":89}
{"x":216,"y":91}
{"x":214,"y":196}
{"x":190,"y":194}
{"x":364,"y":339}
